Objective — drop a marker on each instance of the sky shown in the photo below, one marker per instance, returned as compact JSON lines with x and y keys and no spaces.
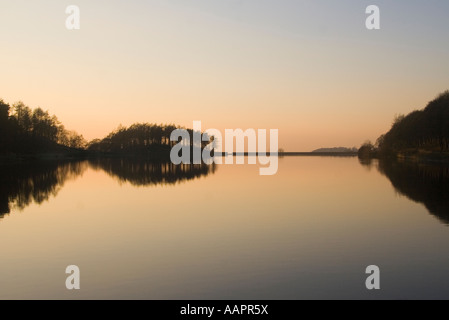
{"x":310,"y":69}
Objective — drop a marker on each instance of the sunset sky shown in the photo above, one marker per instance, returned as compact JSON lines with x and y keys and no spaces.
{"x":308,"y":68}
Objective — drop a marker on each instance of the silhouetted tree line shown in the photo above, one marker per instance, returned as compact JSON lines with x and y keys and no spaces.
{"x":21,"y":185}
{"x":424,"y":130}
{"x":139,"y":138}
{"x":23,"y":130}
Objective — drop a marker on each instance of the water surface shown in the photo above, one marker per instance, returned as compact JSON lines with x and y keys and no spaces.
{"x":139,"y":230}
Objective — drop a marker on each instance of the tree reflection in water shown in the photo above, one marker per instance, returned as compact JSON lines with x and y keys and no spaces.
{"x":143,"y":173}
{"x":426,"y":183}
{"x":22,"y":185}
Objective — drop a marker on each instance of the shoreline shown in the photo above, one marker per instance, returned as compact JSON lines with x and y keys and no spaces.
{"x":157,"y":156}
{"x":411,"y":156}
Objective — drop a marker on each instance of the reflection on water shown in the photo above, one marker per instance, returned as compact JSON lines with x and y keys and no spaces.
{"x":140,"y":172}
{"x":421,"y":182}
{"x":21,"y":185}
{"x":307,"y":232}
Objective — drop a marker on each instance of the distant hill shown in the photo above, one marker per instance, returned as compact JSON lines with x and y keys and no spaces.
{"x":335,"y":150}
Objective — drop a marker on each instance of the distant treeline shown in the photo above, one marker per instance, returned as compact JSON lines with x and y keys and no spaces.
{"x":139,"y":138}
{"x":424,"y":130}
{"x":23,"y":130}
{"x":336,"y":150}
{"x":27,"y":131}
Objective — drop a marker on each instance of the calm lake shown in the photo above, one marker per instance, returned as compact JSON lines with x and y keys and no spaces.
{"x":139,"y":230}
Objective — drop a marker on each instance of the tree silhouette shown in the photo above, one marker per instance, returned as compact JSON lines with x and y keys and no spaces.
{"x":141,"y":139}
{"x":4,"y":126}
{"x":426,"y":129}
{"x":23,"y":130}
